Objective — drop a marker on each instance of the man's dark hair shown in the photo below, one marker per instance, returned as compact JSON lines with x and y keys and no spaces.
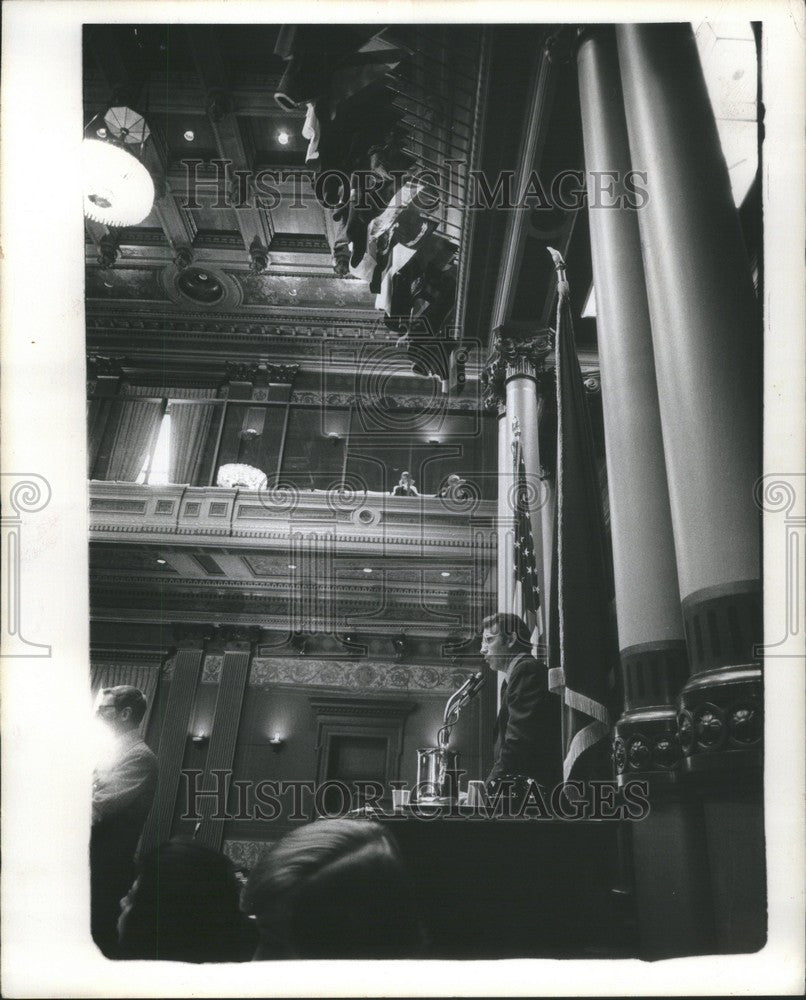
{"x":126,"y":696}
{"x":512,"y":627}
{"x":335,"y":888}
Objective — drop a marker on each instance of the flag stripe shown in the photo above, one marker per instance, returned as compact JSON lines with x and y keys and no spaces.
{"x":526,"y":592}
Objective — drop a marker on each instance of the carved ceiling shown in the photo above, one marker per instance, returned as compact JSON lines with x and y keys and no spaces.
{"x":186,"y":291}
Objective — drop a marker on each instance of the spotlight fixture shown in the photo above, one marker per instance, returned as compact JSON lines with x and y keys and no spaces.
{"x":161,"y":562}
{"x":367,"y":569}
{"x":276,"y":742}
{"x":189,"y":136}
{"x":283,"y":137}
{"x":292,"y":566}
{"x":199,"y":739}
{"x":445,"y":573}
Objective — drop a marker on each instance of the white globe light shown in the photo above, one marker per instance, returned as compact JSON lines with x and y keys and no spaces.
{"x":118,"y":189}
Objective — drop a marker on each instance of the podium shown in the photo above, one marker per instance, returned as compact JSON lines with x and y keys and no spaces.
{"x":515,"y":888}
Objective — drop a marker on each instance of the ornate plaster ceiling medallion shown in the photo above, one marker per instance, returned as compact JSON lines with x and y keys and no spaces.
{"x":201,"y":286}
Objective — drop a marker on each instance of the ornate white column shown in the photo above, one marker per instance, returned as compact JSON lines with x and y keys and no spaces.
{"x":668,"y":848}
{"x":510,"y":382}
{"x":650,"y":624}
{"x":707,"y":346}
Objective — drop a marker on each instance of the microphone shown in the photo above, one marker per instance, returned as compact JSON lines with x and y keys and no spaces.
{"x":476,"y":683}
{"x":458,"y":695}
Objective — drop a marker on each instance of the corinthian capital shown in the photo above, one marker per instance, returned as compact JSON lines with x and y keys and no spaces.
{"x":517,"y":350}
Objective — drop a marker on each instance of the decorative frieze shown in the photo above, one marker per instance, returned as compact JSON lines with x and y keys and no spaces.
{"x":354,"y":675}
{"x":260,"y":373}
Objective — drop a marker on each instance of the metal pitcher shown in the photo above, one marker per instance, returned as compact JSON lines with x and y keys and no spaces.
{"x":437,"y":776}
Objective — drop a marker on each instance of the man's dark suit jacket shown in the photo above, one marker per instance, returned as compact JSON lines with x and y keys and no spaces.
{"x":527,"y":738}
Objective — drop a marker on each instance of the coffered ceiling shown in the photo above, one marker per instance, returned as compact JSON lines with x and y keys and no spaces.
{"x":183,"y":296}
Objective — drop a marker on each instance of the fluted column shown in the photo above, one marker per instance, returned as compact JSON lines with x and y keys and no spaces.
{"x":650,"y":623}
{"x":173,"y":739}
{"x":706,"y":342}
{"x":668,"y":848}
{"x":224,"y":735}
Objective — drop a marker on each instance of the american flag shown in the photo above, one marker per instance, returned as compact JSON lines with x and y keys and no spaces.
{"x":582,"y":637}
{"x":526,"y":593}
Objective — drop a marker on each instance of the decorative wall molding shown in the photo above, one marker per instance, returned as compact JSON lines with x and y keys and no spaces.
{"x":352,"y":675}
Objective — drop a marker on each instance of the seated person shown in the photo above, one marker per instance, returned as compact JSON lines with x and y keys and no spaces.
{"x":184,"y":907}
{"x":335,"y":888}
{"x":453,"y":488}
{"x":406,"y":487}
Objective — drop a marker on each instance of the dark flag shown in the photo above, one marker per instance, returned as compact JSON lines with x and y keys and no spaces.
{"x":582,"y":638}
{"x":526,"y":593}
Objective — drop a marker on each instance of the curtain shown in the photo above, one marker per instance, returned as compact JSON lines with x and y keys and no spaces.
{"x":138,"y":424}
{"x":190,"y":427}
{"x":99,"y":410}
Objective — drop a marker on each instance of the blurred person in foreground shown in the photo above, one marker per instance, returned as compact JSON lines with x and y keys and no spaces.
{"x":184,"y":907}
{"x":335,"y":888}
{"x":122,"y":792}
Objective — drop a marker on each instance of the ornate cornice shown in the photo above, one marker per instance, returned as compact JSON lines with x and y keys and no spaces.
{"x":103,"y":366}
{"x":260,"y":373}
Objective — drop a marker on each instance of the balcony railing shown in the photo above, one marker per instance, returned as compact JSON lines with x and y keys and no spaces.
{"x":363,"y":521}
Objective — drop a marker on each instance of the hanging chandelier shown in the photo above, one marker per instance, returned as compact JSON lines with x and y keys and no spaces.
{"x":118,"y":189}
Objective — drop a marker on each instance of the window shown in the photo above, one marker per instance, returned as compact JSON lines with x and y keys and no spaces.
{"x":156,"y":468}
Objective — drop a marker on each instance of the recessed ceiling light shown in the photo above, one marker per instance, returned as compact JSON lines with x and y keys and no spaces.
{"x":292,"y":566}
{"x":445,"y":573}
{"x":367,"y":569}
{"x":101,"y":132}
{"x":190,"y":135}
{"x":283,"y":137}
{"x":161,"y":562}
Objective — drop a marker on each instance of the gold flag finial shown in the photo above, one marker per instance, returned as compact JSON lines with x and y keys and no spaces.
{"x":563,"y":288}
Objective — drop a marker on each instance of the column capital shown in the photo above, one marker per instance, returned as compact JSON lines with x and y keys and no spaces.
{"x":517,"y":350}
{"x":191,"y":636}
{"x":237,"y":638}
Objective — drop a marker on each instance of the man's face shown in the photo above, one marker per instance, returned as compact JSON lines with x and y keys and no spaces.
{"x":105,"y":711}
{"x":494,"y":649}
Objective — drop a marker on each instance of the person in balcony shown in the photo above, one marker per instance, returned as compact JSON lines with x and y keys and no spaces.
{"x":406,"y":487}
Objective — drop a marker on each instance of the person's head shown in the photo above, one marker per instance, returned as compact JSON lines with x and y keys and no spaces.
{"x":335,"y":888}
{"x":503,"y":636}
{"x":121,"y":708}
{"x":405,"y":477}
{"x":183,"y":907}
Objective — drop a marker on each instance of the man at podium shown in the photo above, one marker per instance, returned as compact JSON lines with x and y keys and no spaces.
{"x":527,"y":739}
